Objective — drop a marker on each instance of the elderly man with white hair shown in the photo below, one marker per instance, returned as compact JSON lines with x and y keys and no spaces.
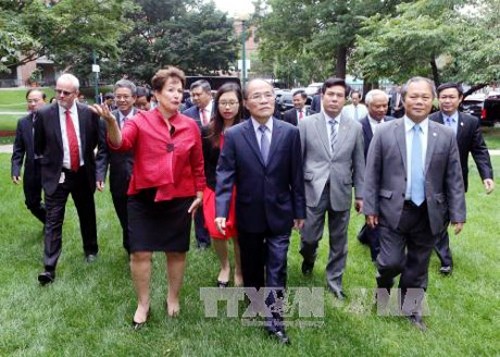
{"x":66,"y":135}
{"x":377,"y":102}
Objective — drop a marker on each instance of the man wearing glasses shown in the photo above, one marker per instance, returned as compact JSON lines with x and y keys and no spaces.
{"x":66,"y":135}
{"x":262,"y":158}
{"x":120,"y":163}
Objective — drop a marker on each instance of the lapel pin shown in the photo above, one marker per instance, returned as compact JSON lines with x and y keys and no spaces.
{"x":434,"y":134}
{"x":462,"y":123}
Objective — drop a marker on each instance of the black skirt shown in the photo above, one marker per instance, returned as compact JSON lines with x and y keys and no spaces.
{"x":158,"y":226}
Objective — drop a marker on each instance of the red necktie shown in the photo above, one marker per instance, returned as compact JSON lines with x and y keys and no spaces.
{"x":301,"y":114}
{"x":74,"y":155}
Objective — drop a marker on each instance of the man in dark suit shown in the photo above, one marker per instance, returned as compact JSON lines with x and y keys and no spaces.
{"x":316,"y":102}
{"x":23,"y":150}
{"x":261,"y":157}
{"x":469,"y":140}
{"x":413,"y":189}
{"x":332,"y":152}
{"x":120,"y":163}
{"x":397,"y":108}
{"x":377,"y":102}
{"x":299,"y":110}
{"x":66,"y":134}
{"x":201,"y":112}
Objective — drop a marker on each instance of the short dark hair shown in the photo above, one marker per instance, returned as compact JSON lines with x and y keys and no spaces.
{"x":302,"y":93}
{"x":161,"y":77}
{"x":356,"y":92}
{"x":44,"y":96}
{"x":109,"y":96}
{"x":203,"y":83}
{"x":334,"y":81}
{"x":449,"y":85}
{"x":144,"y":92}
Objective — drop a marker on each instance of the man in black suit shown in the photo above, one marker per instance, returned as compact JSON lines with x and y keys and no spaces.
{"x":299,"y":110}
{"x":377,"y":102}
{"x":201,"y":112}
{"x":23,"y":151}
{"x":261,"y":157}
{"x":120,"y":163}
{"x":66,"y":134}
{"x":469,"y":140}
{"x":397,"y":108}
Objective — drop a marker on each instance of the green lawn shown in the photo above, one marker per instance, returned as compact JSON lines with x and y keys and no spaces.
{"x":492,"y":137}
{"x":88,"y":310}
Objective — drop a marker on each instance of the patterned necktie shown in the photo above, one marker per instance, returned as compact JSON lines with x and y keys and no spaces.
{"x":417,"y":168}
{"x":333,"y":133}
{"x":74,"y":154}
{"x":204,"y":119}
{"x":301,"y":114}
{"x":264,"y":143}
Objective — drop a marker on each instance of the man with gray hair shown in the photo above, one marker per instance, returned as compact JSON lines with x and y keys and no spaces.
{"x":120,"y":163}
{"x":413,"y":189}
{"x":377,"y":102}
{"x":66,"y":135}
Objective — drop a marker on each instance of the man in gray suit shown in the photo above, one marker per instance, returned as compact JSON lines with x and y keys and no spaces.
{"x":332,"y":152}
{"x":413,"y":189}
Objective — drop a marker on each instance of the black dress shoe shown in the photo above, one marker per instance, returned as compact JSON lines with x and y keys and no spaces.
{"x":417,"y":322}
{"x":446,"y":270}
{"x":46,"y":277}
{"x":307,"y":268}
{"x":222,"y":284}
{"x":280,"y":336}
{"x":138,"y":325}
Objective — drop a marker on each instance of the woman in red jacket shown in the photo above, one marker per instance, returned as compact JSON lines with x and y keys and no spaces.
{"x":165,"y":189}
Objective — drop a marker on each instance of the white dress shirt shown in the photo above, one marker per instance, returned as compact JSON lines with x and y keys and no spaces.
{"x":258,"y":133}
{"x":409,"y":124}
{"x":64,"y":134}
{"x":349,"y":111}
{"x":374,"y":123}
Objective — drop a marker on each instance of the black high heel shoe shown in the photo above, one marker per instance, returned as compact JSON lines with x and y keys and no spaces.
{"x":138,"y":325}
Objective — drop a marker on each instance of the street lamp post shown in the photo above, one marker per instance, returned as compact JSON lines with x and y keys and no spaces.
{"x":96,"y":70}
{"x":243,"y":54}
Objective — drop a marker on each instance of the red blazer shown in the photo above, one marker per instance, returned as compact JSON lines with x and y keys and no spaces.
{"x":173,"y":163}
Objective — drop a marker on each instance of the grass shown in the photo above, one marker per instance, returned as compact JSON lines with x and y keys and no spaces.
{"x":492,"y":137}
{"x":88,"y":310}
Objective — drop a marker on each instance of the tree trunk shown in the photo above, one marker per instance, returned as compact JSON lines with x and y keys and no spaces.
{"x":475,"y":88}
{"x":435,"y":73}
{"x":341,"y":62}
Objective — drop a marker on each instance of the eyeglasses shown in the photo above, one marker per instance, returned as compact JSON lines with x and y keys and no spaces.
{"x":266,"y":95}
{"x":122,"y":97}
{"x":64,"y":92}
{"x":230,"y":103}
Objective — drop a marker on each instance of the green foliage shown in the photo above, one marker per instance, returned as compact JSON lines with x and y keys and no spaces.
{"x":191,"y":35}
{"x":65,"y":32}
{"x":88,"y":310}
{"x":439,"y":39}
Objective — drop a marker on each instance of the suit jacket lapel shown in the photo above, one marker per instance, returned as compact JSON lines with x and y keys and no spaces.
{"x":81,"y":122}
{"x":249,"y":135}
{"x":321,"y":130}
{"x":432,"y":135}
{"x":275,"y":139}
{"x":460,"y":127}
{"x":57,"y":125}
{"x":399,"y":133}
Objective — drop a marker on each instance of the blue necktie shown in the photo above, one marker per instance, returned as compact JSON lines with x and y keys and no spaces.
{"x":264,"y":143}
{"x":417,"y":168}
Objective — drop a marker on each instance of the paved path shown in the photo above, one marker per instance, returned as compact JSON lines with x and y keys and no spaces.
{"x":7,"y":149}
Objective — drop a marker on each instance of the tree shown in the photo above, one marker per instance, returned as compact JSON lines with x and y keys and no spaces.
{"x":191,"y":35}
{"x":321,"y":31}
{"x":439,"y":39}
{"x":64,"y":31}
